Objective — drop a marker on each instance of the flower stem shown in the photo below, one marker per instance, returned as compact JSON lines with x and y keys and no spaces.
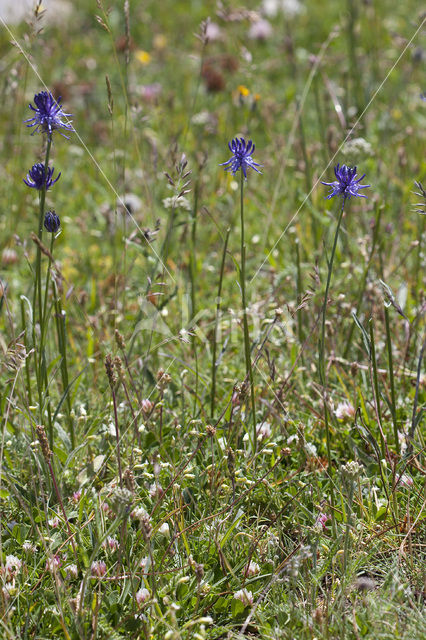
{"x":37,"y":296}
{"x":249,"y":370}
{"x":216,"y":326}
{"x":322,"y":368}
{"x":37,"y":287}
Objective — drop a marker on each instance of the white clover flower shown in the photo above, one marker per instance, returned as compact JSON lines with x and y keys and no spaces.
{"x":260,"y":30}
{"x":72,"y":571}
{"x":98,"y":568}
{"x":253,"y":569}
{"x":164,"y":530}
{"x":144,"y":564}
{"x":54,"y":522}
{"x":12,"y":565}
{"x":344,"y":411}
{"x":53,"y":563}
{"x":245,"y":596}
{"x":311,"y":449}
{"x":139,"y":513}
{"x":263,"y":430}
{"x":110,"y":543}
{"x":213,"y":32}
{"x":142,"y":596}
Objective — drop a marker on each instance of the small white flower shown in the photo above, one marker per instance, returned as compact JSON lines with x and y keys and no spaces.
{"x":263,"y":430}
{"x":53,"y":563}
{"x":164,"y":530}
{"x":12,"y":565}
{"x":98,"y":568}
{"x":253,"y":569}
{"x":147,"y":406}
{"x":110,"y":543}
{"x":142,"y":596}
{"x":344,"y":411}
{"x":72,"y":571}
{"x":213,"y":32}
{"x":139,"y":514}
{"x":176,"y":202}
{"x":402,"y":441}
{"x":311,"y":449}
{"x":54,"y":522}
{"x":245,"y":596}
{"x":260,"y":30}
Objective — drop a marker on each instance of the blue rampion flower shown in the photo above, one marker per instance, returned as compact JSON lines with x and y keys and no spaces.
{"x":241,"y":157}
{"x":37,"y":178}
{"x":48,"y":114}
{"x":346,"y":184}
{"x":51,"y":222}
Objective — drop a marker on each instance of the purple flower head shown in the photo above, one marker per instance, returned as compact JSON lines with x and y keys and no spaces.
{"x":346,"y":184}
{"x":37,"y":177}
{"x":51,"y":222}
{"x":241,"y":157}
{"x":48,"y":114}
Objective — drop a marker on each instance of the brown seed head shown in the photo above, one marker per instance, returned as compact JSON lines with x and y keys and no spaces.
{"x":44,"y":443}
{"x":210,"y":430}
{"x":119,"y":340}
{"x":118,"y":364}
{"x":109,"y":367}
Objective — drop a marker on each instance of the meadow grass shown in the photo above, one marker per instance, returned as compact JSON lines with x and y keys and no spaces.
{"x":213,"y":416}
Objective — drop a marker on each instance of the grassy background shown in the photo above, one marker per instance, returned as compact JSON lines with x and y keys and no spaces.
{"x":331,"y":74}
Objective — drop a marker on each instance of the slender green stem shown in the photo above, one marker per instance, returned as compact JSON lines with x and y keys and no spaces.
{"x":117,"y":436}
{"x":322,"y":368}
{"x":46,"y":290}
{"x":37,"y":296}
{"x":391,"y":379}
{"x":376,"y":388}
{"x":364,"y":279}
{"x":193,"y":254}
{"x":348,"y":526}
{"x":43,"y":331}
{"x":64,"y":513}
{"x":27,"y":364}
{"x":216,"y":324}
{"x":62,"y":344}
{"x":37,"y":287}
{"x":299,"y":295}
{"x":249,"y":369}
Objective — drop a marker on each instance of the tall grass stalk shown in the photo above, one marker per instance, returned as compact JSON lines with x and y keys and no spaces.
{"x":39,"y":353}
{"x":322,"y":366}
{"x":216,"y":325}
{"x":61,"y":333}
{"x":249,"y":369}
